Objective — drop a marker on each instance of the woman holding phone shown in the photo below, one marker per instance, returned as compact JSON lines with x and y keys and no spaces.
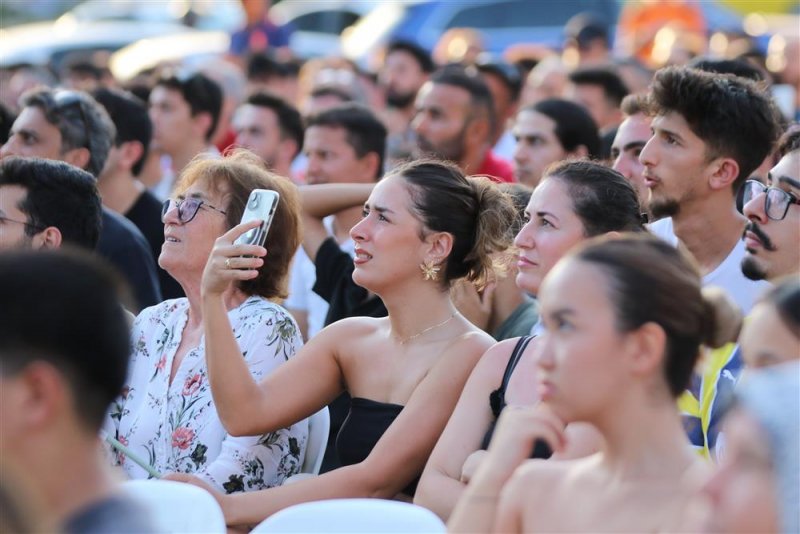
{"x":166,"y":415}
{"x":424,"y":226}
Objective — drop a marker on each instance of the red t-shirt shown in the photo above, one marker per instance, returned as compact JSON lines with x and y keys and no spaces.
{"x":496,"y":168}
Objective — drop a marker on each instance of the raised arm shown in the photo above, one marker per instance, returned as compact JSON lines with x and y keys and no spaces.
{"x":319,"y":201}
{"x":297,"y":389}
{"x":441,"y":486}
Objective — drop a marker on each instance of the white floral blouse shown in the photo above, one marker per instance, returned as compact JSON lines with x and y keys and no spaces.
{"x":175,"y":427}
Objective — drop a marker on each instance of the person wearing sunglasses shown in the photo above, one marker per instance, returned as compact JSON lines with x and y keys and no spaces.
{"x":71,"y":126}
{"x":167,"y":414}
{"x":772,"y":235}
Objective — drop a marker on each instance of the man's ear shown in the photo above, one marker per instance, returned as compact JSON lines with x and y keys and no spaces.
{"x":202,"y":123}
{"x":77,"y":156}
{"x":44,"y":394}
{"x":49,"y":238}
{"x":579,"y":152}
{"x":370,"y":164}
{"x":724,"y":171}
{"x":478,"y":131}
{"x":129,"y":153}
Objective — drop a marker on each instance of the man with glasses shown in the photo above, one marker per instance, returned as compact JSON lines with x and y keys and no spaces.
{"x":71,"y":126}
{"x":772,"y":234}
{"x":710,"y":131}
{"x":45,"y":204}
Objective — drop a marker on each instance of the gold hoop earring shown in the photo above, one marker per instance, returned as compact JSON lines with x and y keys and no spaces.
{"x":430,"y":271}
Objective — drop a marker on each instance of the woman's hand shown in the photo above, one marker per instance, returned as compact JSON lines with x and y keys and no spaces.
{"x":518,"y":429}
{"x":471,"y":465}
{"x":229,"y":263}
{"x":475,"y":305}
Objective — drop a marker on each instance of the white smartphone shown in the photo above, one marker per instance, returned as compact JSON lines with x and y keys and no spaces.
{"x":261,"y":204}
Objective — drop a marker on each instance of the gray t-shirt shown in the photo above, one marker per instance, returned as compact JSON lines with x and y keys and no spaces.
{"x":114,"y":514}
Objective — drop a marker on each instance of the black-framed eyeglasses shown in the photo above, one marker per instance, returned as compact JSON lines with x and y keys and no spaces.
{"x":776,"y":200}
{"x":64,"y":99}
{"x":36,"y":227}
{"x":187,"y":208}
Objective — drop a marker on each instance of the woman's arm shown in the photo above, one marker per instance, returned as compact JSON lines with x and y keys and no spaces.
{"x":321,"y":200}
{"x":297,"y":388}
{"x":517,"y":430}
{"x":441,"y":484}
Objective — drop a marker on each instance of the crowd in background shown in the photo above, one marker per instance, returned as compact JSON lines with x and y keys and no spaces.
{"x":473,"y":257}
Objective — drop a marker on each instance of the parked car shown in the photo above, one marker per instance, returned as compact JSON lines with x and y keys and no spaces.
{"x":501,"y":22}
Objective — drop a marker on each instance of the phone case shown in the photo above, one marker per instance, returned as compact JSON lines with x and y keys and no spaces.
{"x":261,"y":204}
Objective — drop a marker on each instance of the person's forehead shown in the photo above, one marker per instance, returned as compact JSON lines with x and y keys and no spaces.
{"x":163,"y":93}
{"x":328,"y":135}
{"x":445,"y":95}
{"x":10,"y":197}
{"x":252,"y":114}
{"x":789,"y":166}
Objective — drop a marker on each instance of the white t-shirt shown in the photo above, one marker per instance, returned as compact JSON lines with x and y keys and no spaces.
{"x":728,"y":274}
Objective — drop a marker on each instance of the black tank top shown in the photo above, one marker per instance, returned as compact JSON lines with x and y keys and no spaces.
{"x":365,"y":424}
{"x":497,"y":400}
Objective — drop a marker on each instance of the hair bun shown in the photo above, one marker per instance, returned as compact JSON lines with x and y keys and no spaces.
{"x":723,"y":317}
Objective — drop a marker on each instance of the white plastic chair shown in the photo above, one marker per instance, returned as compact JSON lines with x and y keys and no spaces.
{"x":319,"y":425}
{"x":356,"y":516}
{"x":177,"y":507}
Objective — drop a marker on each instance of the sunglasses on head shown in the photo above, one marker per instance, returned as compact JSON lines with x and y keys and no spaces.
{"x":64,"y":99}
{"x":187,"y":208}
{"x":776,"y":201}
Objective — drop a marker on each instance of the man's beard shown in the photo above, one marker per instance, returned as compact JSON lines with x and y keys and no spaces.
{"x":449,"y":150}
{"x":663,"y":207}
{"x":398,"y":100}
{"x":751,"y":267}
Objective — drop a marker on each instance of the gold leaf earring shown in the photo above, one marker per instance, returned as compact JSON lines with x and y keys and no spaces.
{"x":430,"y":271}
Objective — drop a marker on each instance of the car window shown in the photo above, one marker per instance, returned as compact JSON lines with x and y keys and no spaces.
{"x":517,"y":13}
{"x":325,"y":21}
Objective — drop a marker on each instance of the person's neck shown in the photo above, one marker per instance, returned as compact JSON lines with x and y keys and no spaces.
{"x":232,"y":297}
{"x":644,"y":439}
{"x":709,"y":230}
{"x":119,"y":190}
{"x":282,"y":169}
{"x":473,"y":160}
{"x":506,"y":299}
{"x":413,"y":310}
{"x":182,"y":156}
{"x":70,"y":473}
{"x":343,"y":221}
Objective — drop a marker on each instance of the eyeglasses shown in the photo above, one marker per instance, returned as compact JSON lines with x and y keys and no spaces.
{"x":25,"y":223}
{"x":776,"y":201}
{"x":187,"y":208}
{"x":63,"y":100}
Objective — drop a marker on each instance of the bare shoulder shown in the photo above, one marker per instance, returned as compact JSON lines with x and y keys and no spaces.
{"x":354,"y":328}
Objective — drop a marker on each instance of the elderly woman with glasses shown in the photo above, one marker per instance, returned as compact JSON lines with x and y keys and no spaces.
{"x":166,"y":415}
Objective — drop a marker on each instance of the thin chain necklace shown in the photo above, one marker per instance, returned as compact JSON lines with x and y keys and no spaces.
{"x":425,"y":331}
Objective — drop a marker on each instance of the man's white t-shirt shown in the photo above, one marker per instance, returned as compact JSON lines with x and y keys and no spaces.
{"x":728,"y":274}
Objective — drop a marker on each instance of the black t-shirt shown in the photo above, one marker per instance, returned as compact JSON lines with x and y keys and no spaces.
{"x":146,"y":215}
{"x":335,"y":285}
{"x":125,"y":247}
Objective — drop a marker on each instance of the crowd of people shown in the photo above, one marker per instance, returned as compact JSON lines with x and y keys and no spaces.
{"x":555,"y":292}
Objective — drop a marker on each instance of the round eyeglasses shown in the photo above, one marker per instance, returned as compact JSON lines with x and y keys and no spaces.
{"x":776,"y":201}
{"x":187,"y":208}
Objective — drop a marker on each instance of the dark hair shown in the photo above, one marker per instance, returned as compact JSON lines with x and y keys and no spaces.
{"x":203,"y":94}
{"x":344,"y":95}
{"x":64,"y":307}
{"x":603,"y":199}
{"x":614,"y":88}
{"x":235,"y":176}
{"x":650,"y":281}
{"x":784,"y":296}
{"x":789,"y":141}
{"x":733,"y":116}
{"x":474,"y":210}
{"x":7,"y":119}
{"x":520,"y":195}
{"x":82,"y":122}
{"x":83,"y":67}
{"x":365,"y":132}
{"x":472,"y":82}
{"x":263,"y":66}
{"x":574,"y":125}
{"x":130,"y":118}
{"x":289,"y":119}
{"x":506,"y":72}
{"x":634,"y":104}
{"x":585,"y":27}
{"x":59,"y":195}
{"x":737,"y":67}
{"x":420,"y":55}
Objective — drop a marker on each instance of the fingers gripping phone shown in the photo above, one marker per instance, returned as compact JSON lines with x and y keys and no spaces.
{"x":261,"y":204}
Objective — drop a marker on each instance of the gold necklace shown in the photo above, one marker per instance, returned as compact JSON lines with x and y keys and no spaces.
{"x":425,"y":331}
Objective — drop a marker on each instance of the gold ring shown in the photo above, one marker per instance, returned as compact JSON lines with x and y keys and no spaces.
{"x":228,"y":263}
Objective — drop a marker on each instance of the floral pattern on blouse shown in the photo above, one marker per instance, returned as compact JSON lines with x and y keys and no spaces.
{"x":175,"y":427}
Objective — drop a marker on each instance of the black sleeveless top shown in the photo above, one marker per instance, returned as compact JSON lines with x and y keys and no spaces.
{"x":497,"y":400}
{"x":364,"y":426}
